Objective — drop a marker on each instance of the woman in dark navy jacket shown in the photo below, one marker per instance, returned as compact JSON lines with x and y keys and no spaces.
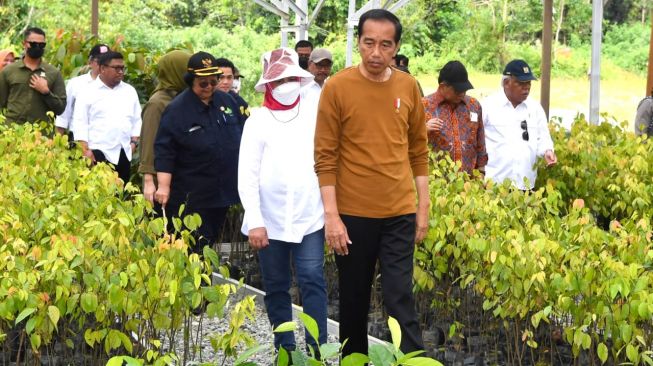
{"x":196,"y":150}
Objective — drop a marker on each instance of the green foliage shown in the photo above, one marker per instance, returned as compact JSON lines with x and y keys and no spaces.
{"x":387,"y":354}
{"x":539,"y":257}
{"x":627,"y":45}
{"x":83,"y":259}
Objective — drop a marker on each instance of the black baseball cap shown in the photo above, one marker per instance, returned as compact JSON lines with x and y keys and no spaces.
{"x":203,"y":64}
{"x":98,"y":49}
{"x":520,"y":70}
{"x":455,"y":74}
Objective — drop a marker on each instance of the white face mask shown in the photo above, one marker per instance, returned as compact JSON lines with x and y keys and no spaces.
{"x":236,"y":85}
{"x":287,"y":93}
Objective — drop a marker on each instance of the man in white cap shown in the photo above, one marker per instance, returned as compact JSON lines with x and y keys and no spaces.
{"x":319,"y":64}
{"x":279,"y":192}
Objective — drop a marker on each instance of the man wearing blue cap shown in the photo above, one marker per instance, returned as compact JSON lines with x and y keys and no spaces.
{"x":516,"y":129}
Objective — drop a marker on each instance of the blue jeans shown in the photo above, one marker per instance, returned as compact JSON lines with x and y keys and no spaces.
{"x":308,"y":259}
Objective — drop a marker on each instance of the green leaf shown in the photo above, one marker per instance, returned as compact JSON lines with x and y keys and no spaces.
{"x":24,"y":314}
{"x":89,"y":302}
{"x":35,"y":340}
{"x":124,"y":361}
{"x":395,"y":331}
{"x":632,"y":353}
{"x":54,"y":314}
{"x":329,"y":350}
{"x":355,"y":359}
{"x":310,"y":324}
{"x":212,"y":256}
{"x":422,"y":361}
{"x":249,"y":352}
{"x":380,"y":355}
{"x":282,"y":357}
{"x":602,"y":351}
{"x":285,"y":327}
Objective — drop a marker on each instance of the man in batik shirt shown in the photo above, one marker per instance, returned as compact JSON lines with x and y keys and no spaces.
{"x":454,"y":121}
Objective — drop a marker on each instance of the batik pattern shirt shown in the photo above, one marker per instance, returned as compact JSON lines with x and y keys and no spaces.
{"x":462,"y":134}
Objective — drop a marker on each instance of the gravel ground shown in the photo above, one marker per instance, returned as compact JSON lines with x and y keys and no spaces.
{"x":259,"y":329}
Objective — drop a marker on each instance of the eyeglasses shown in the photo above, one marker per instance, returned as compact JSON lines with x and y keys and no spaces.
{"x":119,"y":68}
{"x":204,"y":83}
{"x":33,"y":44}
{"x":524,"y":126}
{"x":225,"y":77}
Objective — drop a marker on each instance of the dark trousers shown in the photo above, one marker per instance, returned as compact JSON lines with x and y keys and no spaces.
{"x":392,"y":242}
{"x":123,"y":167}
{"x":209,"y":231}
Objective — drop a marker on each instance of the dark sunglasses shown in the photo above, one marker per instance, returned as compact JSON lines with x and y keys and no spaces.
{"x":120,"y":68}
{"x":204,"y":83}
{"x":33,"y":44}
{"x":524,"y":126}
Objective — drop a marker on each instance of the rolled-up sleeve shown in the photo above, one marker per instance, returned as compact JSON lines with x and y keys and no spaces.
{"x":327,"y":137}
{"x":544,"y":142}
{"x":249,"y":167}
{"x":418,"y":152}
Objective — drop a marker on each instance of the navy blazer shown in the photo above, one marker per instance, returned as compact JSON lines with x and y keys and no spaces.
{"x":199,"y":144}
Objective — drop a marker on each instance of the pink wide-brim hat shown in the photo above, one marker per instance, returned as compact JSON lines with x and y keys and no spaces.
{"x":279,"y":64}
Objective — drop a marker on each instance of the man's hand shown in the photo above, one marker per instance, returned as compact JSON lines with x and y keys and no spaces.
{"x":421,"y":224}
{"x":89,"y":154}
{"x":258,"y":238}
{"x":434,"y":124}
{"x":162,"y":195}
{"x":550,"y":158}
{"x":149,"y":188}
{"x":39,"y":84}
{"x":336,"y":235}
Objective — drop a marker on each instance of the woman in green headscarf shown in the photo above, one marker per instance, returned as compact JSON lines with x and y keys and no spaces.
{"x":172,"y":67}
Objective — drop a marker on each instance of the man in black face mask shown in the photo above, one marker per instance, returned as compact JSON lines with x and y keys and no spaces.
{"x":303,"y":49}
{"x":30,"y":88}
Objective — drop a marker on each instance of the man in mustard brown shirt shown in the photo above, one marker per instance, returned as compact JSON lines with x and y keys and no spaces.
{"x":371,"y":156}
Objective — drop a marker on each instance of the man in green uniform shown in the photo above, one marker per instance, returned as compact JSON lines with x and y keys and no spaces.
{"x":30,"y":87}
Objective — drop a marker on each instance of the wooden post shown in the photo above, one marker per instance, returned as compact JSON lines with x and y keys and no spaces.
{"x":547,"y":35}
{"x":94,"y":18}
{"x":649,"y":81}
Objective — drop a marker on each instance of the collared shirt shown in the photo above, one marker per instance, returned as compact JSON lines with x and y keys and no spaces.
{"x":24,"y":103}
{"x":510,"y":156}
{"x":311,"y":92}
{"x":462,"y":134}
{"x":107,"y":118}
{"x":198,"y":144}
{"x":73,"y":86}
{"x":276,"y":181}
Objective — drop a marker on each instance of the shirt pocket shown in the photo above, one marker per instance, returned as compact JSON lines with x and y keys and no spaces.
{"x":233,"y":130}
{"x":197,"y":144}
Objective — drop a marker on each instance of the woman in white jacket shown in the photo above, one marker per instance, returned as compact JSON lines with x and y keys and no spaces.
{"x":281,"y":197}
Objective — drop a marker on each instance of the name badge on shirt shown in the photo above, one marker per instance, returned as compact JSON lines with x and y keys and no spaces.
{"x":473,"y":116}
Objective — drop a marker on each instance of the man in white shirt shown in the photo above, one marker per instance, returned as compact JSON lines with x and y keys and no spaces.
{"x":74,"y":85}
{"x":516,"y":130}
{"x":107,"y":116}
{"x":319,"y":64}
